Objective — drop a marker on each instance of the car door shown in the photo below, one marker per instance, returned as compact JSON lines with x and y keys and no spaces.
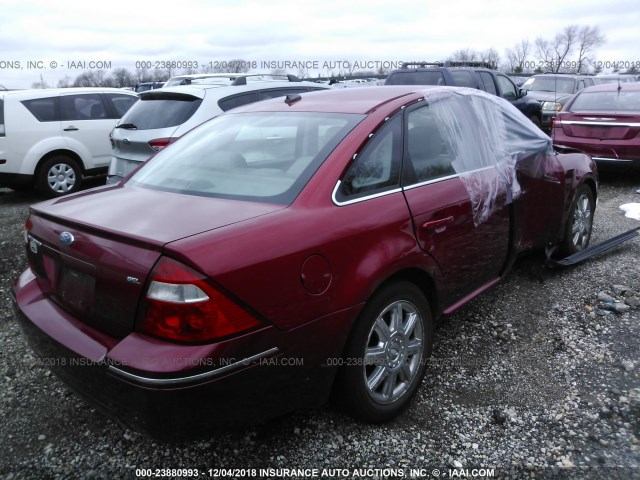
{"x":449,"y":181}
{"x":85,"y":125}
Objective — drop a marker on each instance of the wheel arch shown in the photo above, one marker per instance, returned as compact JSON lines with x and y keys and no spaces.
{"x":67,"y":153}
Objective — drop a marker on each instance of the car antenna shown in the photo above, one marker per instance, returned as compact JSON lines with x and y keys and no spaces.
{"x":619,"y":86}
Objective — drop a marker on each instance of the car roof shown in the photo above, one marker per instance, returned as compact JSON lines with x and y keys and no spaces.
{"x":44,"y":92}
{"x":349,"y":100}
{"x":221,"y":90}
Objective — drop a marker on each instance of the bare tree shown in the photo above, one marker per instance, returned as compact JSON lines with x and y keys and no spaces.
{"x":143,"y":75}
{"x":86,"y":79}
{"x":490,"y":56}
{"x":589,"y":38}
{"x":464,"y":55}
{"x":303,"y":73}
{"x":64,"y":82}
{"x":236,"y":65}
{"x":121,"y":78}
{"x":554,"y":54}
{"x":517,"y":56}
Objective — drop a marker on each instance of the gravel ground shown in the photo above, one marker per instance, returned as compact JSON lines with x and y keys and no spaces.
{"x":537,"y":378}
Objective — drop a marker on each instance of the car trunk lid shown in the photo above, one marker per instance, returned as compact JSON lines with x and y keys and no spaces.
{"x":93,"y":256}
{"x":600,"y":126}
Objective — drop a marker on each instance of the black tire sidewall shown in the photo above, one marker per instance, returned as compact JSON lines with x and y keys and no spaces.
{"x":567,"y":247}
{"x":352,"y":392}
{"x":42,"y":180}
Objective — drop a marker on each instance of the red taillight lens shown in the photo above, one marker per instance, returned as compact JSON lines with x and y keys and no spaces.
{"x":555,"y":122}
{"x":159,"y":143}
{"x":181,"y":305}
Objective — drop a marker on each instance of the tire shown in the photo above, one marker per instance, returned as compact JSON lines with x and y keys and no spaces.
{"x":577,"y":231}
{"x":380,"y":388}
{"x":59,"y":175}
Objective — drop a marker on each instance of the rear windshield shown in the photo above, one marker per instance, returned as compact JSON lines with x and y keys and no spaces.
{"x":161,"y":111}
{"x":416,"y":78}
{"x":264,"y":157}
{"x":1,"y":117}
{"x":607,"y":102}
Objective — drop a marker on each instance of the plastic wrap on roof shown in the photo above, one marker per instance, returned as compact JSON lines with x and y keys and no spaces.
{"x":491,"y":141}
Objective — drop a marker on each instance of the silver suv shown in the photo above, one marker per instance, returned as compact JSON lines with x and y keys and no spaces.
{"x":164,"y":115}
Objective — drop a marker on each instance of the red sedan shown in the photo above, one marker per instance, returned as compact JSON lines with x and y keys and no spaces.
{"x":291,"y":249}
{"x":603,"y":121}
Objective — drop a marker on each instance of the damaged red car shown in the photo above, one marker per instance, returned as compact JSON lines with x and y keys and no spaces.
{"x":293,"y":249}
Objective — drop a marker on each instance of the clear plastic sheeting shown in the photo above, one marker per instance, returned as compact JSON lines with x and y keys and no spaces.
{"x":489,"y":141}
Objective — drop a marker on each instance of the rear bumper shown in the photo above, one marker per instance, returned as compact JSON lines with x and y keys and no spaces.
{"x":168,"y":389}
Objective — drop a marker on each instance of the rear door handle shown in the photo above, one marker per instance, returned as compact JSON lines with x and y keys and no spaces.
{"x":439,"y":225}
{"x":71,"y":128}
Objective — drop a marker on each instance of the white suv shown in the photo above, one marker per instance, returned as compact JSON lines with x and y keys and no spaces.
{"x":164,"y":115}
{"x":52,"y":138}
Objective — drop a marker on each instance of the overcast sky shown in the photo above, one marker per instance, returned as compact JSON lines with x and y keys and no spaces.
{"x":124,"y":32}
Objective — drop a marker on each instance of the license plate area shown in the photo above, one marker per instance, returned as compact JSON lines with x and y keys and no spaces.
{"x":76,"y":289}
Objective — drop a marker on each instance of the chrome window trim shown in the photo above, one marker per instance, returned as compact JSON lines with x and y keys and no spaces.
{"x":428,"y":182}
{"x":193,"y":378}
{"x":360,"y":199}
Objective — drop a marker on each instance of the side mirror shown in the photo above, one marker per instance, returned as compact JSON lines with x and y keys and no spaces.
{"x":523,"y":92}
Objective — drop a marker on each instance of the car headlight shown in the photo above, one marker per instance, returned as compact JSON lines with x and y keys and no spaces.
{"x":553,"y":106}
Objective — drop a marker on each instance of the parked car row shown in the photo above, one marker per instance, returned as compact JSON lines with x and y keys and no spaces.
{"x":292,"y":249}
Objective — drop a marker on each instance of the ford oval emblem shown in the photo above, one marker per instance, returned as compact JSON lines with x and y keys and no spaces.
{"x":66,"y":238}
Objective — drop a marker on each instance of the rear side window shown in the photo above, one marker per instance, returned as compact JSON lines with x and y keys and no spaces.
{"x":44,"y":109}
{"x":83,"y":107}
{"x":1,"y":117}
{"x":161,"y":111}
{"x":487,"y":80}
{"x":416,"y":78}
{"x":463,"y":78}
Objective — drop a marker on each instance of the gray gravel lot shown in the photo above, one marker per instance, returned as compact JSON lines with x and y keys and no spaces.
{"x":537,"y":378}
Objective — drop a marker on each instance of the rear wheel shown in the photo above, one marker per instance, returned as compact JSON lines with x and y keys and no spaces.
{"x":577,"y":232}
{"x":385,"y":357}
{"x":59,"y":175}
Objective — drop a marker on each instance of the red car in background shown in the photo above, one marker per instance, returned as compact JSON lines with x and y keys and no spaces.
{"x":604,"y":122}
{"x":290,"y":249}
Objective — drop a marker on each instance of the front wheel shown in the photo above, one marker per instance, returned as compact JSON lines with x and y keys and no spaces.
{"x":59,"y":175}
{"x":577,"y":232}
{"x":385,"y":357}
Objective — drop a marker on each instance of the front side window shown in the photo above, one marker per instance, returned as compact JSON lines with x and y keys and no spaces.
{"x":262,"y":156}
{"x":83,"y":107}
{"x":507,"y":87}
{"x":377,"y":168}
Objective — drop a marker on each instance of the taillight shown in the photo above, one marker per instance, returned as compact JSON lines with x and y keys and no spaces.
{"x":181,"y":305}
{"x":555,"y":122}
{"x":159,"y":143}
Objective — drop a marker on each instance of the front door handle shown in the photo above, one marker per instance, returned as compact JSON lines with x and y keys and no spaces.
{"x":438,"y":226}
{"x":71,"y":128}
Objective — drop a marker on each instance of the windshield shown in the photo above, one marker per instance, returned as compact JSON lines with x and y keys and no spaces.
{"x":265,"y":157}
{"x":550,"y":84}
{"x":607,"y":102}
